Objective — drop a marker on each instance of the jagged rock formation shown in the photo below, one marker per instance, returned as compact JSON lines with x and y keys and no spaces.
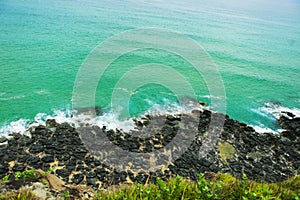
{"x":268,"y":157}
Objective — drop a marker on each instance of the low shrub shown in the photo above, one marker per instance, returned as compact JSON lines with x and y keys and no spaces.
{"x":223,"y":186}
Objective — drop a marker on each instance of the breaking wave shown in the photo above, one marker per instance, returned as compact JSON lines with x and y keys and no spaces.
{"x":109,"y":119}
{"x":273,"y":111}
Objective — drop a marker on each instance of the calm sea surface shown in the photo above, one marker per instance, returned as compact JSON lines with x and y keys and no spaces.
{"x":254,"y":44}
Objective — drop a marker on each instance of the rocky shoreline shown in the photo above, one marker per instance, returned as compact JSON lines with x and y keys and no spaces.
{"x":261,"y":156}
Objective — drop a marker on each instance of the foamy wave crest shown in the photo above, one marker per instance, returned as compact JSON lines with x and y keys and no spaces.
{"x":277,"y":110}
{"x":19,"y":126}
{"x":169,"y":107}
{"x":261,"y":128}
{"x":111,"y":120}
{"x":23,"y":125}
{"x":273,"y":111}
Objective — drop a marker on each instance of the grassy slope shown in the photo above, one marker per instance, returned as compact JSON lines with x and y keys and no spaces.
{"x":222,"y":186}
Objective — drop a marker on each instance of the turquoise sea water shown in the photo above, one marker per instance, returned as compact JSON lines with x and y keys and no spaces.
{"x":254,"y":44}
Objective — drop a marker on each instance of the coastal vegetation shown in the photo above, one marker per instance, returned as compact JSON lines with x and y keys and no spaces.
{"x":218,"y":186}
{"x":223,"y":186}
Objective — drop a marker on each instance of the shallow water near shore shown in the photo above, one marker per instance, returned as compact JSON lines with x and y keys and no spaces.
{"x":255,"y":46}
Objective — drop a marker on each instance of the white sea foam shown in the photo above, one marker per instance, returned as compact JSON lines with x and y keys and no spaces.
{"x":210,"y":97}
{"x":11,"y":98}
{"x":273,"y":110}
{"x":42,"y":92}
{"x":109,"y":119}
{"x":19,"y":126}
{"x":169,"y":108}
{"x":112,"y":121}
{"x":262,"y":129}
{"x":277,"y":110}
{"x":5,"y":97}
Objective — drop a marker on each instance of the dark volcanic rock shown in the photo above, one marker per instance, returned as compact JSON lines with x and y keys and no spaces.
{"x":77,"y":178}
{"x":3,"y":139}
{"x":79,"y":152}
{"x":32,"y":160}
{"x":23,"y":158}
{"x":36,"y":148}
{"x":266,"y":157}
{"x":64,"y":174}
{"x":290,"y":135}
{"x":51,"y":123}
{"x":48,"y":159}
{"x":18,"y":167}
{"x":290,"y":124}
{"x":3,"y":168}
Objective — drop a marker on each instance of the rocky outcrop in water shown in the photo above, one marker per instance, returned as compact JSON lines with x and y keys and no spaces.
{"x":268,"y":157}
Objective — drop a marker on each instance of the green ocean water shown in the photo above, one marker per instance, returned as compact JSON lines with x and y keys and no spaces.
{"x":254,"y":44}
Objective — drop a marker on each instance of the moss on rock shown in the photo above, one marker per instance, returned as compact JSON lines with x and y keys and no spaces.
{"x":226,"y":151}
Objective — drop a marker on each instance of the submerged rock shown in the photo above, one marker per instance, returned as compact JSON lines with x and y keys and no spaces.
{"x":94,"y":110}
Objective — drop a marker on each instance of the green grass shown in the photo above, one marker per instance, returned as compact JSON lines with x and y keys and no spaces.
{"x":27,"y":174}
{"x":222,"y":186}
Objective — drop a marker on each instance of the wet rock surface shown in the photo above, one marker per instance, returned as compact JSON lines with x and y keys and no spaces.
{"x":85,"y":155}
